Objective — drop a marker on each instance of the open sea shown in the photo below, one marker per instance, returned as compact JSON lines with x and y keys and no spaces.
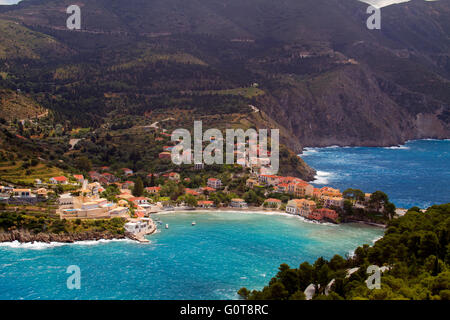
{"x":414,"y":174}
{"x":212,"y":260}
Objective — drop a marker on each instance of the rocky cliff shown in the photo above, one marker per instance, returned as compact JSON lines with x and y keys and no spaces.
{"x":24,"y":236}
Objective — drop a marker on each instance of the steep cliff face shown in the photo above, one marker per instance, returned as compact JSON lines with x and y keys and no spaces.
{"x":353,"y":107}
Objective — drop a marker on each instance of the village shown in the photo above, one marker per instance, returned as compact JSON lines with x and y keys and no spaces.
{"x":88,"y":199}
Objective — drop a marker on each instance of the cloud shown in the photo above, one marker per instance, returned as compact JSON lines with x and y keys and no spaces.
{"x":7,"y":2}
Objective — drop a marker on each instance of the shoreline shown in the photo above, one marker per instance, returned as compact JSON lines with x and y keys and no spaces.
{"x":15,"y":240}
{"x":267,"y":212}
{"x":388,"y":146}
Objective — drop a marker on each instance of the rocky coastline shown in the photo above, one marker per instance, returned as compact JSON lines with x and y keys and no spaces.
{"x":25,"y":236}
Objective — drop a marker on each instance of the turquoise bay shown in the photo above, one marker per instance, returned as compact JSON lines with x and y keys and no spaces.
{"x":212,"y":260}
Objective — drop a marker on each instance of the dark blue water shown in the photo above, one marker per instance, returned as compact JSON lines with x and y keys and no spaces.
{"x":416,"y":174}
{"x":214,"y":259}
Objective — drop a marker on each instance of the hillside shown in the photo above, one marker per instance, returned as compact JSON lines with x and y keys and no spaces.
{"x":14,"y":105}
{"x":322,"y":76}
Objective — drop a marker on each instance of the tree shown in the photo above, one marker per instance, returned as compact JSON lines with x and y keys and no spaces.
{"x":190,"y":200}
{"x":378,"y":199}
{"x":138,"y":189}
{"x":83,"y":163}
{"x":152,"y":180}
{"x":354,"y":194}
{"x":389,"y":210}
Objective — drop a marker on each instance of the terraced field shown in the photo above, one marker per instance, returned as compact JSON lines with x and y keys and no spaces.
{"x":15,"y":173}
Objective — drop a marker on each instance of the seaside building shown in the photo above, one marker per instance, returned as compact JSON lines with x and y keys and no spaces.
{"x":292,"y":207}
{"x":205,"y":204}
{"x":89,"y":207}
{"x":329,"y":202}
{"x":270,"y":180}
{"x":282,"y":188}
{"x":317,"y":193}
{"x":301,"y":207}
{"x":324,"y":213}
{"x":330,"y":192}
{"x":238,"y":203}
{"x":303,"y":189}
{"x":273,"y":203}
{"x":306,"y":207}
{"x":138,"y":226}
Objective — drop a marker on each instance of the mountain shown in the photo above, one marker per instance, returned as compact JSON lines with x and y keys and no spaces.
{"x":312,"y":67}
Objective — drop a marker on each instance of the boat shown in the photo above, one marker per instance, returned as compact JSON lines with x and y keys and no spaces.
{"x":167,"y":226}
{"x":193,"y":223}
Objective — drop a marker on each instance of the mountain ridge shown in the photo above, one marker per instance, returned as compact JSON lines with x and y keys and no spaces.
{"x":326,"y":78}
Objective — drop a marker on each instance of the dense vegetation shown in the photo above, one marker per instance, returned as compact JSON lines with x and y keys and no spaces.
{"x":415,"y":249}
{"x":37,"y":223}
{"x":323,"y":84}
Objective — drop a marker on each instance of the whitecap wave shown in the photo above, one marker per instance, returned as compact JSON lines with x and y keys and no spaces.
{"x":322,"y":177}
{"x":402,"y":147}
{"x":308,"y":151}
{"x":44,"y":245}
{"x":31,"y":245}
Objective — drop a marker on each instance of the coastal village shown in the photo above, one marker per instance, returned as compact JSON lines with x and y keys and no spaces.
{"x":109,"y":192}
{"x":88,"y":198}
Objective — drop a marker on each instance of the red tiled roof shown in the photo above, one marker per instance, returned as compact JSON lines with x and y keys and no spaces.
{"x":205,"y":202}
{"x":62,"y":178}
{"x":153,"y":188}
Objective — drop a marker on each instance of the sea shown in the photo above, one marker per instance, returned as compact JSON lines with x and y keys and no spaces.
{"x":223,"y":252}
{"x":414,"y":174}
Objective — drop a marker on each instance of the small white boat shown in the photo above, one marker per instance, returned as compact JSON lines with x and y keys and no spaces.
{"x":167,"y":226}
{"x":193,"y":223}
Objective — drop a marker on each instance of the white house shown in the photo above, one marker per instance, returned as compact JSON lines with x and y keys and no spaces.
{"x":23,"y":193}
{"x":214,"y":183}
{"x":136,"y":227}
{"x":238,"y":203}
{"x":59,"y":180}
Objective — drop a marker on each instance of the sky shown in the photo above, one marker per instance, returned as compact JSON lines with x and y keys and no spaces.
{"x":9,"y":1}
